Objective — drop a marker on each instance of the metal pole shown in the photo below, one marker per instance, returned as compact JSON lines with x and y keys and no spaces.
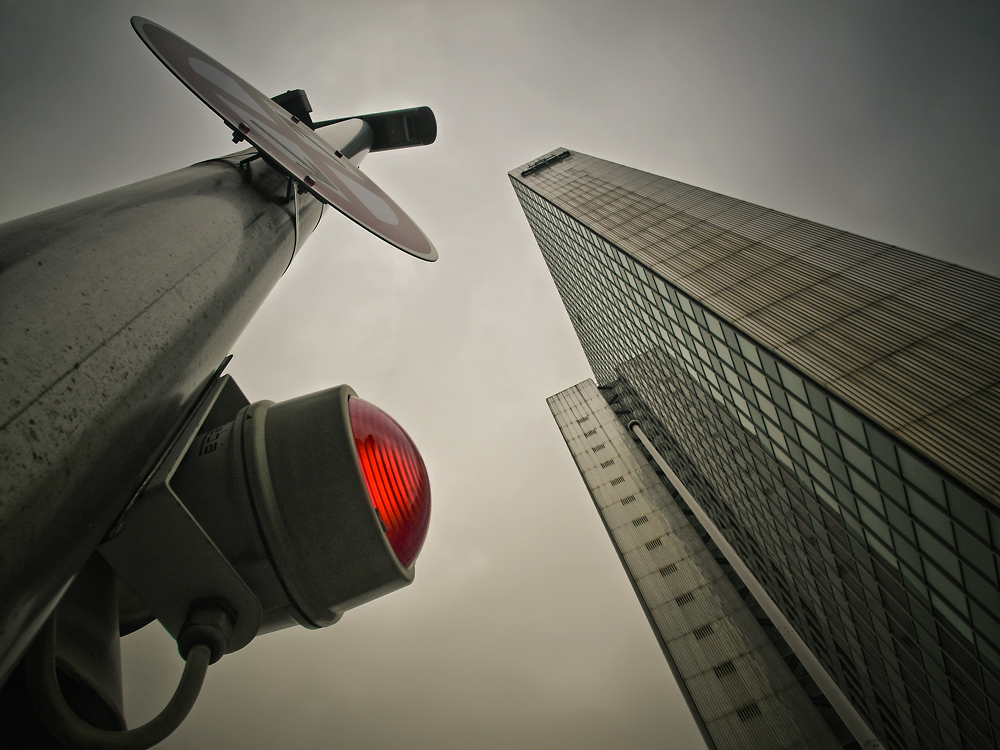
{"x":115,"y":311}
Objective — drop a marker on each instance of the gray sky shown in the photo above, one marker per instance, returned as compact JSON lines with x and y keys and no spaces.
{"x":521,"y":629}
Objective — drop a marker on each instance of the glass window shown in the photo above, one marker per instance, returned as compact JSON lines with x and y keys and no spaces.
{"x":685,"y":304}
{"x":661,"y":287}
{"x":914,"y":582}
{"x":810,"y":443}
{"x":900,"y":521}
{"x":741,"y":368}
{"x":821,"y":475}
{"x":767,"y":407}
{"x":985,"y":624}
{"x":967,"y":510}
{"x":906,"y":551}
{"x":699,"y":315}
{"x":758,"y":379}
{"x":828,"y":435}
{"x":879,"y":547}
{"x":747,"y":424}
{"x":845,"y":497}
{"x":981,"y":590}
{"x":783,"y":457}
{"x":776,"y":434}
{"x":890,"y":484}
{"x":937,"y":552}
{"x":646,"y":275}
{"x":866,"y":491}
{"x":732,"y":377}
{"x":950,"y":615}
{"x":792,"y":382}
{"x":769,"y":366}
{"x":858,"y":458}
{"x":713,"y":325}
{"x":922,"y":476}
{"x":779,"y":397}
{"x":931,"y":516}
{"x":802,"y":413}
{"x":804,"y":479}
{"x":826,"y":497}
{"x":848,"y":423}
{"x":852,"y":524}
{"x":702,"y":353}
{"x":817,"y":400}
{"x":990,"y":652}
{"x":881,"y":447}
{"x":749,"y":350}
{"x":741,"y":403}
{"x":694,"y":329}
{"x":871,"y":521}
{"x":730,"y":336}
{"x":837,"y":467}
{"x":975,"y":552}
{"x":943,"y":585}
{"x":787,"y":424}
{"x":723,"y":351}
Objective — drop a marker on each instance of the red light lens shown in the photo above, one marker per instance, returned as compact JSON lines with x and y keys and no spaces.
{"x":395,"y":476}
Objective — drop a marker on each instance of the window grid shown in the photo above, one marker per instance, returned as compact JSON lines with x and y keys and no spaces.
{"x":837,"y":472}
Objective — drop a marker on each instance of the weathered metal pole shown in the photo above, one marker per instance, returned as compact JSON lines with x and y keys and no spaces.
{"x":115,"y":311}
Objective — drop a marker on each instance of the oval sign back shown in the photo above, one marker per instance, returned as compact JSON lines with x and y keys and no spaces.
{"x":285,"y":140}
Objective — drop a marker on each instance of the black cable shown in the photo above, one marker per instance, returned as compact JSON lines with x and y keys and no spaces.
{"x":66,"y":726}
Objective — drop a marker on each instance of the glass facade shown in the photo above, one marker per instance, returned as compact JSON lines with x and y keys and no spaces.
{"x":743,"y":684}
{"x":832,"y":402}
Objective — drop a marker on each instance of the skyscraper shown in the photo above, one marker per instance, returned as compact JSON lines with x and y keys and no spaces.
{"x":744,"y":684}
{"x":831,"y":403}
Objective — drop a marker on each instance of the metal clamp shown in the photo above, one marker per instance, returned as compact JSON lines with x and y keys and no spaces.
{"x":165,"y":556}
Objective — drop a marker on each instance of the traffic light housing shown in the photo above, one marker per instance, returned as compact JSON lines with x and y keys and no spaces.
{"x":291,"y":513}
{"x":320,"y":502}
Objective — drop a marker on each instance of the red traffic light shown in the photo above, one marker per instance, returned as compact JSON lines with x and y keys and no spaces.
{"x":395,"y":476}
{"x":317,"y":504}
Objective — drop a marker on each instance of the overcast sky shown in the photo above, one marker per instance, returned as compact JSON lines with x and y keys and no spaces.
{"x":521,"y":629}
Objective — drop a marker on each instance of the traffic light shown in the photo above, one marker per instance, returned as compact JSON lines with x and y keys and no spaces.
{"x":318,"y":504}
{"x":139,"y":481}
{"x":262,"y":516}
